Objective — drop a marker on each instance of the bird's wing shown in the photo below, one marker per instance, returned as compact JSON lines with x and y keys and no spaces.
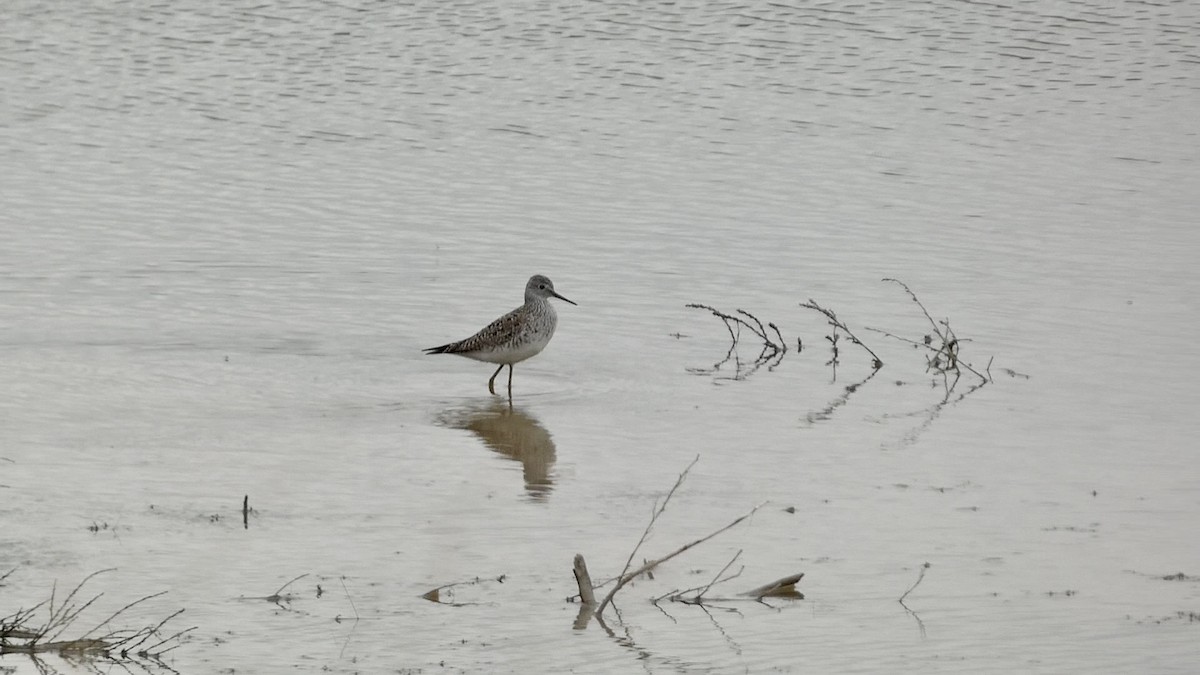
{"x":498,"y":332}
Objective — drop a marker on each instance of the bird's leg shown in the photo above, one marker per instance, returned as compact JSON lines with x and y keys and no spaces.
{"x":510,"y":382}
{"x":492,"y":382}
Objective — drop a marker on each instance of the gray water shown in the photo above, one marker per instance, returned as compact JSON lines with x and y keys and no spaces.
{"x":229,"y":228}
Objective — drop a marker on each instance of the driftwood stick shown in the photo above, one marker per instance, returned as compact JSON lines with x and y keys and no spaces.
{"x":629,"y":576}
{"x":784,"y":586}
{"x":584,"y":580}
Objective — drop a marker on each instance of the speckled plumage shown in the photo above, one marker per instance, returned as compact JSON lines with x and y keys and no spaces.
{"x":514,"y":337}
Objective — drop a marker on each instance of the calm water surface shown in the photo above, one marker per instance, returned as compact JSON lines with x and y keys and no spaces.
{"x":228,"y":229}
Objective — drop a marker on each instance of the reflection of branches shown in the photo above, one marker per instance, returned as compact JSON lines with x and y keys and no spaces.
{"x":934,"y":411}
{"x":839,"y":401}
{"x":773,"y":346}
{"x":838,"y":324}
{"x":945,"y":348}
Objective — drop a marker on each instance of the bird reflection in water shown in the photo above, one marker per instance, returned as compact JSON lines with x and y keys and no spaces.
{"x":515,"y":434}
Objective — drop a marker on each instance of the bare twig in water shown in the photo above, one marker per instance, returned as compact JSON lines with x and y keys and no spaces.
{"x":945,"y":348}
{"x":350,"y":599}
{"x":920,"y":624}
{"x":278,"y":597}
{"x":837,"y":323}
{"x":435,"y":595}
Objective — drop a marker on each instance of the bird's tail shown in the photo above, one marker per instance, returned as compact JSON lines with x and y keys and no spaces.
{"x":443,"y":349}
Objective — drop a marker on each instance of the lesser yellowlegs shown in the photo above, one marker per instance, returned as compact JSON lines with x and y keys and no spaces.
{"x":514,"y":337}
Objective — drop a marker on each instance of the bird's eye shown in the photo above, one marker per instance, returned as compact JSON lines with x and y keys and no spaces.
{"x":543,"y":287}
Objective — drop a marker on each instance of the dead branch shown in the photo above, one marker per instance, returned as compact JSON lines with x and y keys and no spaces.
{"x":837,"y":323}
{"x":627,"y":577}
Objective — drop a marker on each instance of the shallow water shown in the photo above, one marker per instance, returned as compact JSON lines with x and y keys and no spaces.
{"x":228,"y":231}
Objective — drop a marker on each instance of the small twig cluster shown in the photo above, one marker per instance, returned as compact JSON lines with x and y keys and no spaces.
{"x":23,"y":633}
{"x":942,"y":343}
{"x":774,"y":347}
{"x":734,"y":324}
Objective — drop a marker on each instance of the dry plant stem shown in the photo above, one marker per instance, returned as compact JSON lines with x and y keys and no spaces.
{"x":347,"y":591}
{"x":837,"y":323}
{"x":919,"y":304}
{"x":761,"y":332}
{"x":276,"y":594}
{"x":758,"y":329}
{"x":627,"y":577}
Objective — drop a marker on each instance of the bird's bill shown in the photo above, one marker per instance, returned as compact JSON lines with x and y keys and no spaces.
{"x":555,"y":294}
